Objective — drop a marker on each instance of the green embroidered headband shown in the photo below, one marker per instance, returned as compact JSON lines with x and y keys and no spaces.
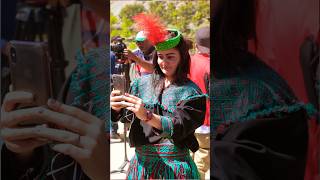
{"x":169,"y":43}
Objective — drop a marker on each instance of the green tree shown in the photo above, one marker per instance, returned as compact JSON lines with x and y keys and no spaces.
{"x":186,"y":16}
{"x":202,"y":14}
{"x":114,"y":21}
{"x":124,"y":27}
{"x":130,"y":10}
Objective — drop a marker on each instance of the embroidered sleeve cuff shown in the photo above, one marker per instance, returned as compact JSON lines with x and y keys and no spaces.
{"x":167,"y":125}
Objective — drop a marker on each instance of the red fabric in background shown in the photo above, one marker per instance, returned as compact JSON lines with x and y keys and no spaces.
{"x":199,"y":66}
{"x":312,"y":167}
{"x":94,"y":30}
{"x":281,"y":28}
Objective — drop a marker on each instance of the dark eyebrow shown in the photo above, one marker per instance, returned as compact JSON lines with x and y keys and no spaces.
{"x":167,"y":54}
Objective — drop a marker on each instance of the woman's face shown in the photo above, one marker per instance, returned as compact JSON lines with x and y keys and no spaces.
{"x":168,"y":61}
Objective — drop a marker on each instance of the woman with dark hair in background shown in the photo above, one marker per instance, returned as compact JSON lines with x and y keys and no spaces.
{"x":259,"y":128}
{"x":167,"y":107}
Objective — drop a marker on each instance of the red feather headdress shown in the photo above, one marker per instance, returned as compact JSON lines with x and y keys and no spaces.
{"x":152,"y":27}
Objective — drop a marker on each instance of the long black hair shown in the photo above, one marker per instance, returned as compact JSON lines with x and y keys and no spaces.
{"x":182,"y":71}
{"x":234,"y":23}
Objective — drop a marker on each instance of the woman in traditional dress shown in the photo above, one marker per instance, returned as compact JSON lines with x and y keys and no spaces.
{"x":167,"y":107}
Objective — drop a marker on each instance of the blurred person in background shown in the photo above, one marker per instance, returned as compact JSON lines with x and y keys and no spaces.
{"x":141,"y":57}
{"x":200,"y":74}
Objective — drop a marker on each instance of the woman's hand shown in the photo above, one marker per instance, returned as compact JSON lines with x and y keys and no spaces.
{"x":84,"y":138}
{"x":129,"y":102}
{"x":80,"y":134}
{"x":135,"y":104}
{"x":11,"y":132}
{"x":116,"y":100}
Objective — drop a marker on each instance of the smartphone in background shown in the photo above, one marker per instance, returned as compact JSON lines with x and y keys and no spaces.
{"x":119,"y":83}
{"x":30,"y":70}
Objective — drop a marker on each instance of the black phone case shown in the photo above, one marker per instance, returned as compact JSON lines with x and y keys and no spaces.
{"x":30,"y":70}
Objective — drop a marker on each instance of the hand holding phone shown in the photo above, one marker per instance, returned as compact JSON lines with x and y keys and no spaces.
{"x":30,"y":71}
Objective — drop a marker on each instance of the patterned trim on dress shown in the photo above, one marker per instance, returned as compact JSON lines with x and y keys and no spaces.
{"x":167,"y":125}
{"x":172,"y":108}
{"x":286,"y":109}
{"x":141,"y":87}
{"x":162,"y":161}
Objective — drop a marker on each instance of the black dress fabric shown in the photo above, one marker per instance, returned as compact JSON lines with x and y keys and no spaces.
{"x":269,"y":148}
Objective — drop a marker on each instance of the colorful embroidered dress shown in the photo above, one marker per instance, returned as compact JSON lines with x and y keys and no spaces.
{"x":258,"y":126}
{"x":253,"y":92}
{"x":164,"y":154}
